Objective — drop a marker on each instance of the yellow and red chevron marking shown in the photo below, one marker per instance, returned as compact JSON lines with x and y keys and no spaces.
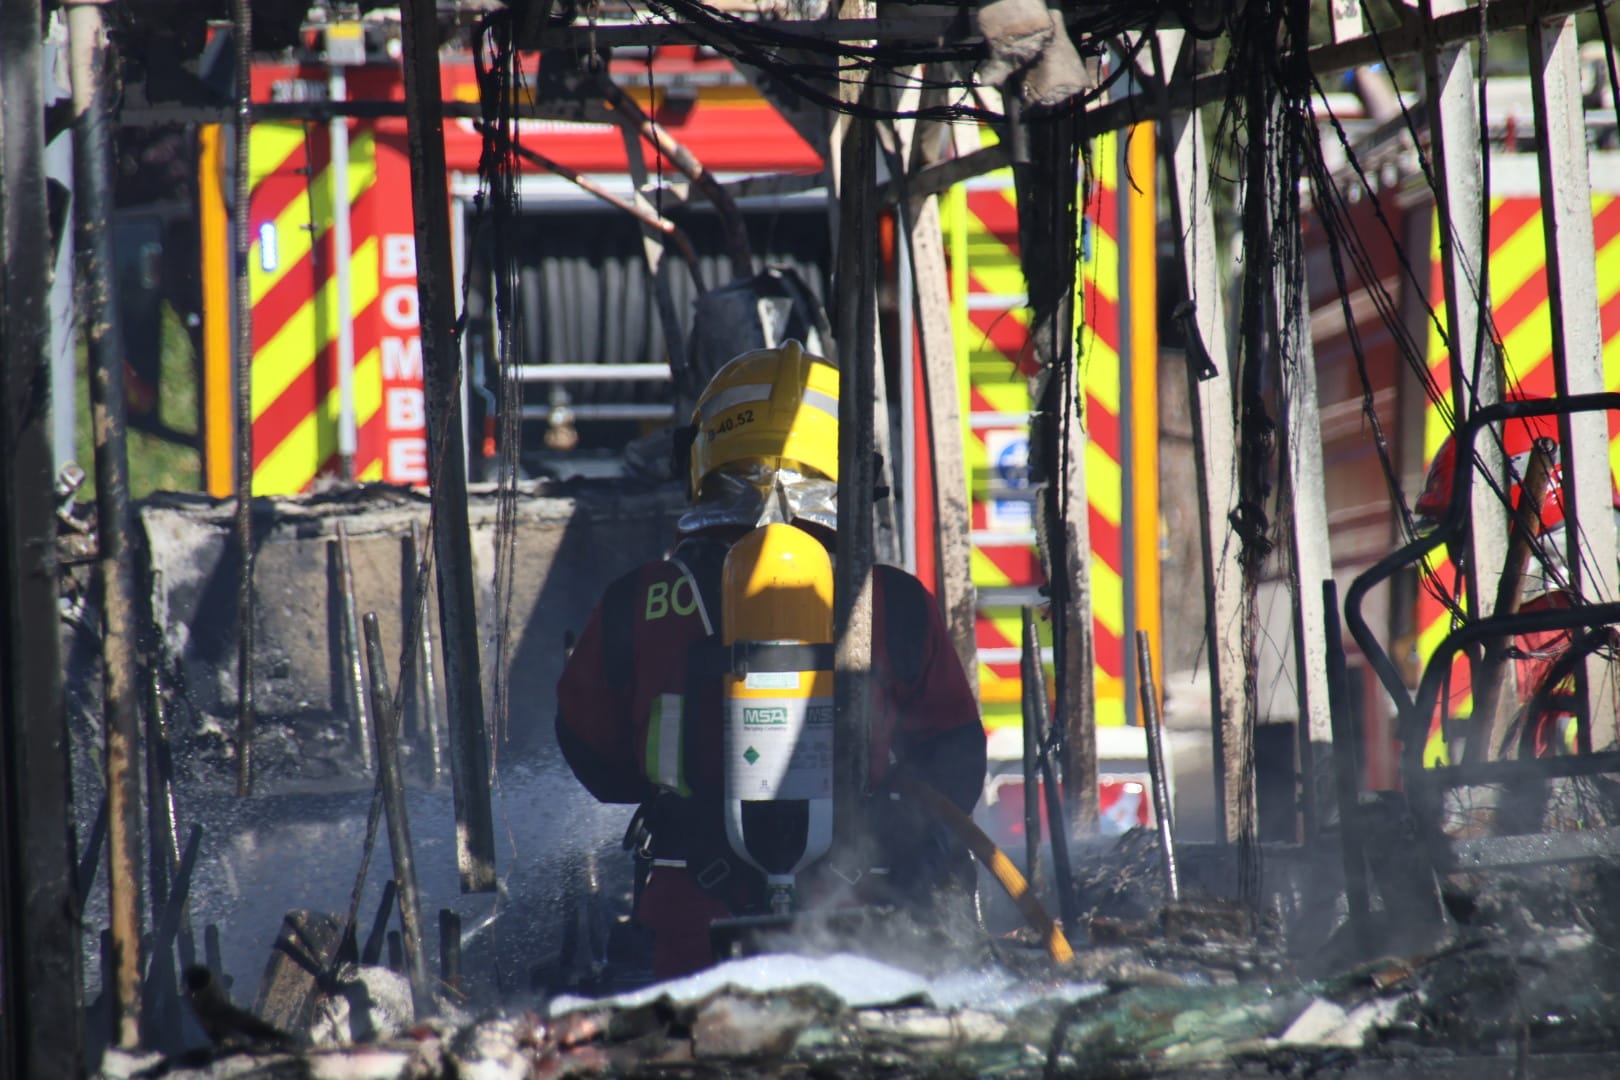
{"x":1518,"y":271}
{"x":293,"y":289}
{"x":1000,"y":633}
{"x":1097,"y":312}
{"x":993,"y":356}
{"x":995,"y":361}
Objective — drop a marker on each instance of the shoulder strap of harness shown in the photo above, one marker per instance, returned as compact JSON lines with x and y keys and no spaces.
{"x":620,"y":607}
{"x":904,"y":611}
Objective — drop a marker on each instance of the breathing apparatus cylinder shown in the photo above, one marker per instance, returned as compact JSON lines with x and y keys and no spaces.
{"x":776,"y":615}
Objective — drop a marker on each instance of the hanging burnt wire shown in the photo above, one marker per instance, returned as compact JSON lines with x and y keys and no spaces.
{"x":1259,"y":126}
{"x":1474,"y":284}
{"x":1050,"y":230}
{"x":499,"y":84}
{"x":1331,"y":206}
{"x":1484,"y":329}
{"x":1332,"y":210}
{"x":803,"y":64}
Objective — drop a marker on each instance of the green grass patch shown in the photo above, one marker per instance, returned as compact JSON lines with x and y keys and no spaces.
{"x":157,"y":462}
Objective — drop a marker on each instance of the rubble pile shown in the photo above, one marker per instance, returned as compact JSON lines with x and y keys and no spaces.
{"x":1550,"y":995}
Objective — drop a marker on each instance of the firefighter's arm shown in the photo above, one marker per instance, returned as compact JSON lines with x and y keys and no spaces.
{"x":938,"y":731}
{"x":594,"y":729}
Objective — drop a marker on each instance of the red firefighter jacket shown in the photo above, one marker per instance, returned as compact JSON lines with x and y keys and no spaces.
{"x":630,"y":731}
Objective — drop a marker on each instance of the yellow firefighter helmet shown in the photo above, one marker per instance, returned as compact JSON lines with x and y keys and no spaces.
{"x":779,"y":406}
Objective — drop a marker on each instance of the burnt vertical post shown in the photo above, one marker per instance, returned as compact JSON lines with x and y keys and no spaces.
{"x":1252,"y":526}
{"x":92,"y":73}
{"x":1577,"y":339}
{"x":1157,"y":776}
{"x":931,"y":285}
{"x":242,"y":390}
{"x":429,"y":699}
{"x":1346,"y":776}
{"x":1299,"y":444}
{"x":447,"y":464}
{"x":39,"y":934}
{"x":450,"y":948}
{"x":353,"y":649}
{"x":1475,"y":367}
{"x":1030,"y":659}
{"x":1209,"y":390}
{"x":856,"y":333}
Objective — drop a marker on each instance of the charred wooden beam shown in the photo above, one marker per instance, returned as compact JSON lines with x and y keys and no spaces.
{"x":856,"y":333}
{"x":1454,"y":138}
{"x":927,"y":274}
{"x":39,"y":933}
{"x":1209,"y":389}
{"x":93,"y":96}
{"x":1577,"y":343}
{"x":447,"y":464}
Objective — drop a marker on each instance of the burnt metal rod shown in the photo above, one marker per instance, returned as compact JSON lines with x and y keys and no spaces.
{"x":450,"y":948}
{"x":652,"y":252}
{"x":1352,"y":849}
{"x":90,"y":857}
{"x":213,"y":954}
{"x":163,"y":842}
{"x":650,"y":218}
{"x":379,"y":926}
{"x":242,"y":374}
{"x":1056,"y":817}
{"x":94,"y":272}
{"x":160,"y":1002}
{"x":1028,"y":661}
{"x":736,"y":230}
{"x":1062,"y":869}
{"x":399,"y":826}
{"x":359,"y":711}
{"x":1156,"y":770}
{"x":1486,"y":724}
{"x":447,"y":464}
{"x":167,"y":926}
{"x":430,"y":682}
{"x":160,"y":991}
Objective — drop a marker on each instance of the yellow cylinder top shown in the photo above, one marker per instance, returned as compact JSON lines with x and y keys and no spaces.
{"x":777,"y":585}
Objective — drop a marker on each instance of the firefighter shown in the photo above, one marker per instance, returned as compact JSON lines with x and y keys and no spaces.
{"x":640,"y":717}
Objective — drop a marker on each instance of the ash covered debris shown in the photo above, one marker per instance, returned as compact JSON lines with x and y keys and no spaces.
{"x":1509,"y":996}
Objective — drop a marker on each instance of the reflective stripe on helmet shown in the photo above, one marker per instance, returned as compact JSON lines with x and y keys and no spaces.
{"x":736,"y":395}
{"x":825,"y":402}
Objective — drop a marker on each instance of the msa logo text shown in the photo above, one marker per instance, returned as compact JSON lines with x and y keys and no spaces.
{"x":764,"y":716}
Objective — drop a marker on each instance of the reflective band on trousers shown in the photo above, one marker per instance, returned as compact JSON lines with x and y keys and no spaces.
{"x":664,"y":750}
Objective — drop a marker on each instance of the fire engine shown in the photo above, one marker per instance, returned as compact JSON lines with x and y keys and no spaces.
{"x":1392,"y":212}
